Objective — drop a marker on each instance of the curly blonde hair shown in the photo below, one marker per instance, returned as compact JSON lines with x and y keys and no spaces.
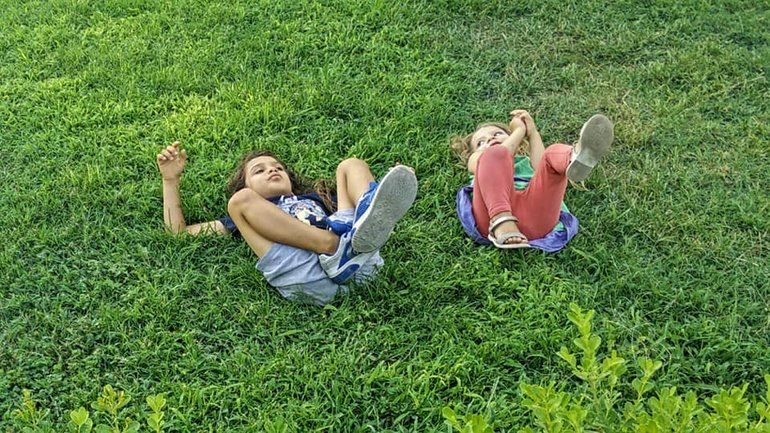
{"x":462,"y":146}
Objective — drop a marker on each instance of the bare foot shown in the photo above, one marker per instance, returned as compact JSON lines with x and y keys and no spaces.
{"x":503,"y":231}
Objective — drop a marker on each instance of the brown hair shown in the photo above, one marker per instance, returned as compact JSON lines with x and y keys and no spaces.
{"x":461,"y":145}
{"x":325,"y":188}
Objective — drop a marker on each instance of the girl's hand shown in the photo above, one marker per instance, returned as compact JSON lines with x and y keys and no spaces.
{"x":516,"y":123}
{"x":171,"y":161}
{"x":525,"y":117}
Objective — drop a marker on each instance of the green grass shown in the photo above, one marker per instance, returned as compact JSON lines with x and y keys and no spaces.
{"x":673,"y":252}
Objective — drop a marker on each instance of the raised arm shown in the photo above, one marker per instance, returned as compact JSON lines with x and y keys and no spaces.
{"x":536,"y":147}
{"x":171,"y":162}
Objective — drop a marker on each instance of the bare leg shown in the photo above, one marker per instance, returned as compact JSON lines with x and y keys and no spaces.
{"x":262,"y":223}
{"x":353,"y":177}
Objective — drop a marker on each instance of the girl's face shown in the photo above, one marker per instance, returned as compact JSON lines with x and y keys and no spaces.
{"x":267,"y":177}
{"x":487,"y":136}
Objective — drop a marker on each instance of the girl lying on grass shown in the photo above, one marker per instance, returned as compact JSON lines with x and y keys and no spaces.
{"x":509,"y":204}
{"x":306,"y":249}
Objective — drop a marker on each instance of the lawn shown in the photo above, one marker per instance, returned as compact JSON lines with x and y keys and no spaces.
{"x":673,"y":251}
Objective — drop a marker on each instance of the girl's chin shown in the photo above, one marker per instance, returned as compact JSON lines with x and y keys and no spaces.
{"x":280,"y":191}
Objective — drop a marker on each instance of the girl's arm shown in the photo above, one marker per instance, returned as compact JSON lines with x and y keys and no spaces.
{"x":536,"y":147}
{"x":518,"y":132}
{"x":474,"y":159}
{"x":171,"y":162}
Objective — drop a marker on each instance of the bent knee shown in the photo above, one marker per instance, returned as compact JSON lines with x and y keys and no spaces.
{"x":351,"y":163}
{"x":557,"y":156}
{"x":240,"y":200}
{"x":496,"y":153}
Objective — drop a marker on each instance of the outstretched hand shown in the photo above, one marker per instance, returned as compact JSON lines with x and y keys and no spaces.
{"x":171,"y":161}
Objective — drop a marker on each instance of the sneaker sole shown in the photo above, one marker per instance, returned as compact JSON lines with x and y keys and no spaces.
{"x":596,"y":136}
{"x":394,"y":196}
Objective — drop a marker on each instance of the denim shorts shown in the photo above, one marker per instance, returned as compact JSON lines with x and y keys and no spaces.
{"x":298,"y":276}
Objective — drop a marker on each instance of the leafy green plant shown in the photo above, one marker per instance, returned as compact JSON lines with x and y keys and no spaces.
{"x":468,"y":423}
{"x":600,"y":373}
{"x":109,"y":404}
{"x":553,"y":410}
{"x":596,"y":407}
{"x":155,"y":419}
{"x":80,"y":421}
{"x":28,"y":417}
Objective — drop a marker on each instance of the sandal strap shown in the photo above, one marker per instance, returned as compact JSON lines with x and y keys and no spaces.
{"x":500,"y":221}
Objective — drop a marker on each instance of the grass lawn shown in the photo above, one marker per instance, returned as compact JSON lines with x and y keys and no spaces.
{"x":673,"y":252}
